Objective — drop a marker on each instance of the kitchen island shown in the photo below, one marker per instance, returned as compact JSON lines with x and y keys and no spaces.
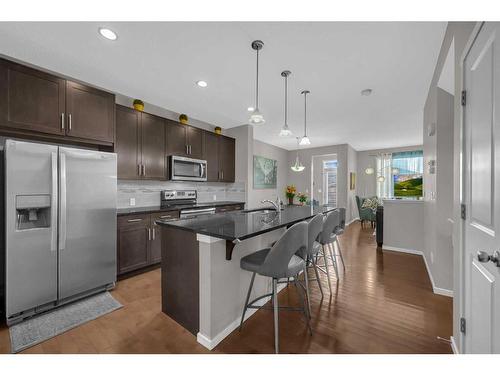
{"x":203,"y":287}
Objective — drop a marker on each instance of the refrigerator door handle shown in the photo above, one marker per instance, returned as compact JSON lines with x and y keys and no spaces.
{"x":53,"y":208}
{"x":62,"y":202}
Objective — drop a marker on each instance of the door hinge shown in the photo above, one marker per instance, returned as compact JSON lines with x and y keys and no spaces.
{"x":463,"y":211}
{"x":464,"y":97}
{"x":462,"y":325}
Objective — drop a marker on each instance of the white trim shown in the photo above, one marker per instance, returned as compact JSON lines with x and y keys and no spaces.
{"x":402,"y":250}
{"x":211,"y":344}
{"x":435,"y":289}
{"x":353,"y":220}
{"x":454,"y":345}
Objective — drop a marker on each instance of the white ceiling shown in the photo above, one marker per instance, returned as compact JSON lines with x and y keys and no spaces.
{"x":160,"y":62}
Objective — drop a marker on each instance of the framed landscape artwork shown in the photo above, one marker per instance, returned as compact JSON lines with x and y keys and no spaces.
{"x":265,"y":172}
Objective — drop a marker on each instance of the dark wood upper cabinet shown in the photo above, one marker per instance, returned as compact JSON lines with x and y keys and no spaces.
{"x":176,"y":138}
{"x":195,"y":142}
{"x":30,"y":99}
{"x":140,"y":145}
{"x":90,"y":113}
{"x":211,"y":155}
{"x":127,"y":143}
{"x":153,"y":147}
{"x":227,"y":158}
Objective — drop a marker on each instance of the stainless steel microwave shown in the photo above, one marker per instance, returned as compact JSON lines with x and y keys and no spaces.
{"x":187,"y":169}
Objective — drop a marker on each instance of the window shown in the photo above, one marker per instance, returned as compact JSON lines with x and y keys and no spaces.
{"x":330,"y":182}
{"x":408,"y":169}
{"x":400,"y":174}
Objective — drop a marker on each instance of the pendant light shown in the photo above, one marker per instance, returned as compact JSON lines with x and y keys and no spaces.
{"x":305,"y":139}
{"x":256,"y":117}
{"x":297,"y":167}
{"x":285,"y":130}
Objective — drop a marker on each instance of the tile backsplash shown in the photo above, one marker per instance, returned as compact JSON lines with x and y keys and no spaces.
{"x":147,"y":193}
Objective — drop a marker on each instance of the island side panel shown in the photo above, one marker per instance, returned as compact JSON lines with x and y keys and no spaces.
{"x":223,"y":285}
{"x":180,"y":277}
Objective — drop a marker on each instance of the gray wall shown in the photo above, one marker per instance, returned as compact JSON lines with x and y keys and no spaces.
{"x":403,"y":225}
{"x":460,"y":32}
{"x":246,"y":148}
{"x":367,"y":184}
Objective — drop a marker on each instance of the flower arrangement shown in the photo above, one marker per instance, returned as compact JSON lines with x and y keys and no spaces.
{"x":290,"y":193}
{"x":302,"y":198}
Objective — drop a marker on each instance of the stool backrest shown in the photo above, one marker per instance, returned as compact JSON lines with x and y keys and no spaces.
{"x":329,"y":225}
{"x":314,"y":228}
{"x":276,"y":262}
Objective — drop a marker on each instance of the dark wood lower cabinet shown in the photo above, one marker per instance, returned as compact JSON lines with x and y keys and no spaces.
{"x":139,"y":240}
{"x":133,"y":242}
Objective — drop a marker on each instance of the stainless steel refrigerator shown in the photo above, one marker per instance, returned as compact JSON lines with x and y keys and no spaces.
{"x":60,"y":225}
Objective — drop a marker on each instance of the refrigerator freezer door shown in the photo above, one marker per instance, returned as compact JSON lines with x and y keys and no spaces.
{"x":30,"y":225}
{"x":87,"y":220}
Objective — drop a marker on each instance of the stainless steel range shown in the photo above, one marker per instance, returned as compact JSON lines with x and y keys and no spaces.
{"x":185,"y":202}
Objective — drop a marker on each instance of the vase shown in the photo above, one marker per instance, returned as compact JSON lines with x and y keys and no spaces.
{"x":290,"y":201}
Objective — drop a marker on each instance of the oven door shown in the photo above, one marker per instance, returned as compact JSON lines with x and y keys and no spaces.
{"x":187,"y":169}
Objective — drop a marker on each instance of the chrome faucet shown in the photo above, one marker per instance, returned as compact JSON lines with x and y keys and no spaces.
{"x":276,"y":205}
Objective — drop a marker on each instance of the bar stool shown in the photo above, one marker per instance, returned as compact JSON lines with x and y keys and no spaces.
{"x":279,"y":262}
{"x":314,"y":227}
{"x":326,"y":239}
{"x":339,"y":230}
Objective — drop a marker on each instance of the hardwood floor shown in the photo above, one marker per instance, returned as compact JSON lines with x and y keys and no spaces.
{"x":383,"y":304}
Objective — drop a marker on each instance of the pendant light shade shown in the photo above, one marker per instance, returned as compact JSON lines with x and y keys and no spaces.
{"x":297,"y":167}
{"x":305,"y":139}
{"x":256,"y":117}
{"x":285,"y":130}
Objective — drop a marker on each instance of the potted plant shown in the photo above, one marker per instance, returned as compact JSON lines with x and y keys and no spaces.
{"x":290,"y":193}
{"x":302,"y":198}
{"x":138,"y":105}
{"x":183,"y":119}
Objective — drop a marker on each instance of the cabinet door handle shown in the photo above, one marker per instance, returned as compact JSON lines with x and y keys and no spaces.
{"x":154,"y":232}
{"x":222,"y":174}
{"x":62,"y":121}
{"x":133,"y":220}
{"x":187,"y":150}
{"x":165,"y":217}
{"x":69,"y":122}
{"x":139,"y":170}
{"x":143,"y":170}
{"x":190,"y":150}
{"x":149,"y":234}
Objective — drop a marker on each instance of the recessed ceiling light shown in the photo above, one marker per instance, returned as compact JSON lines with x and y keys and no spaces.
{"x":108,"y":33}
{"x":366,"y":92}
{"x":202,"y":83}
{"x":250,"y":109}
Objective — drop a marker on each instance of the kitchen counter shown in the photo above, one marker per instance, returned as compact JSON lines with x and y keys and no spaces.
{"x":240,"y":225}
{"x":152,"y":209}
{"x":202,"y":285}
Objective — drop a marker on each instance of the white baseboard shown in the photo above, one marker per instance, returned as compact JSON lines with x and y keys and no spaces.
{"x":402,"y":250}
{"x":435,"y":289}
{"x":352,"y":221}
{"x":454,"y":345}
{"x":212,"y":343}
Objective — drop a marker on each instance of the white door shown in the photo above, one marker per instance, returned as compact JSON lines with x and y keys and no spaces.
{"x":482,"y":192}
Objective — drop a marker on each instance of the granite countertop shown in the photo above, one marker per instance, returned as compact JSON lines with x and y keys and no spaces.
{"x":151,"y":209}
{"x":240,"y":225}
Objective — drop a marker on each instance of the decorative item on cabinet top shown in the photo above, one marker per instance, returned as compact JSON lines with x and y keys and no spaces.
{"x":183,"y":119}
{"x":138,"y":105}
{"x":218,"y":130}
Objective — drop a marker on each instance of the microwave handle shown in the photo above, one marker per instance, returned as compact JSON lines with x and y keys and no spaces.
{"x":202,"y":170}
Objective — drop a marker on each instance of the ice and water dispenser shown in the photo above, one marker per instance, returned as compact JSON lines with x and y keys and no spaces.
{"x":33,"y":211}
